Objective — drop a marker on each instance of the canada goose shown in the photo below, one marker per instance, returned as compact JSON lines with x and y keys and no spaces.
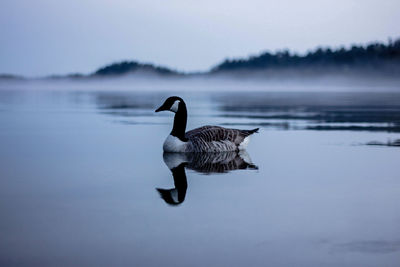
{"x":203,"y":139}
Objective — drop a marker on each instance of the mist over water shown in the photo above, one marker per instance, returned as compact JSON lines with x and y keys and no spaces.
{"x":241,"y":81}
{"x":84,"y":181}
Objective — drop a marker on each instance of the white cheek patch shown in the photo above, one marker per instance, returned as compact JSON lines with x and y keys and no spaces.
{"x":174,"y":107}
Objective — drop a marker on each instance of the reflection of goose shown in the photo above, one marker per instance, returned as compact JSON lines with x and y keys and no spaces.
{"x":203,"y":139}
{"x":200,"y":162}
{"x":175,"y":196}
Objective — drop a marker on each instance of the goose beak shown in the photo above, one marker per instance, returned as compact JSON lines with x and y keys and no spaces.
{"x":160,"y":109}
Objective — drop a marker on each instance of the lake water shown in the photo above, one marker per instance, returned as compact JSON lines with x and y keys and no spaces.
{"x":84,"y":181}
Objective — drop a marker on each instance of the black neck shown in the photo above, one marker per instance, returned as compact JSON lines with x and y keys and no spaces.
{"x":180,"y":121}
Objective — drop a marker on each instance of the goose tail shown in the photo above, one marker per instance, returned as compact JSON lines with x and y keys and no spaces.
{"x":254,"y":131}
{"x":246,"y":134}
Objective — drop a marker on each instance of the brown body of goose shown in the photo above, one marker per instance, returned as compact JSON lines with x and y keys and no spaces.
{"x":217,"y":139}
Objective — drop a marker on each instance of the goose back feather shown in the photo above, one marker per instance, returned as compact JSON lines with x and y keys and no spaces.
{"x":216,"y":139}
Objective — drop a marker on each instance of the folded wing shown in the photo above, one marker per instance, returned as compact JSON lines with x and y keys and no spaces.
{"x":216,"y":139}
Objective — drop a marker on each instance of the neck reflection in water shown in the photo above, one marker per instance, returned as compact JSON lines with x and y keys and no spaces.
{"x":206,"y":163}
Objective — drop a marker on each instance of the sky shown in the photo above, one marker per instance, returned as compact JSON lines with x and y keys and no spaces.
{"x":44,"y":37}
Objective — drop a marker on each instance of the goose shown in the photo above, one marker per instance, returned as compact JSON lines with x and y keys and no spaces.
{"x":203,"y":139}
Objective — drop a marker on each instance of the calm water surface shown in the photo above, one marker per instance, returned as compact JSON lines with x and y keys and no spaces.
{"x":84,"y":181}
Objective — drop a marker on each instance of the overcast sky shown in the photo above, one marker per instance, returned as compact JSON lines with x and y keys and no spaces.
{"x":41,"y":37}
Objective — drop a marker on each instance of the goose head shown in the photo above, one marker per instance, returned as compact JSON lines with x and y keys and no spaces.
{"x":176,"y":105}
{"x":173,"y":104}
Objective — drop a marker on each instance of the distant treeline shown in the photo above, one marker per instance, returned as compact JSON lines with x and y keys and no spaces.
{"x":126,"y":67}
{"x":373,"y":59}
{"x":375,"y":56}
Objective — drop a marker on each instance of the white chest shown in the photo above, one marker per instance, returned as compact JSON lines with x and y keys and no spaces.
{"x":174,"y":144}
